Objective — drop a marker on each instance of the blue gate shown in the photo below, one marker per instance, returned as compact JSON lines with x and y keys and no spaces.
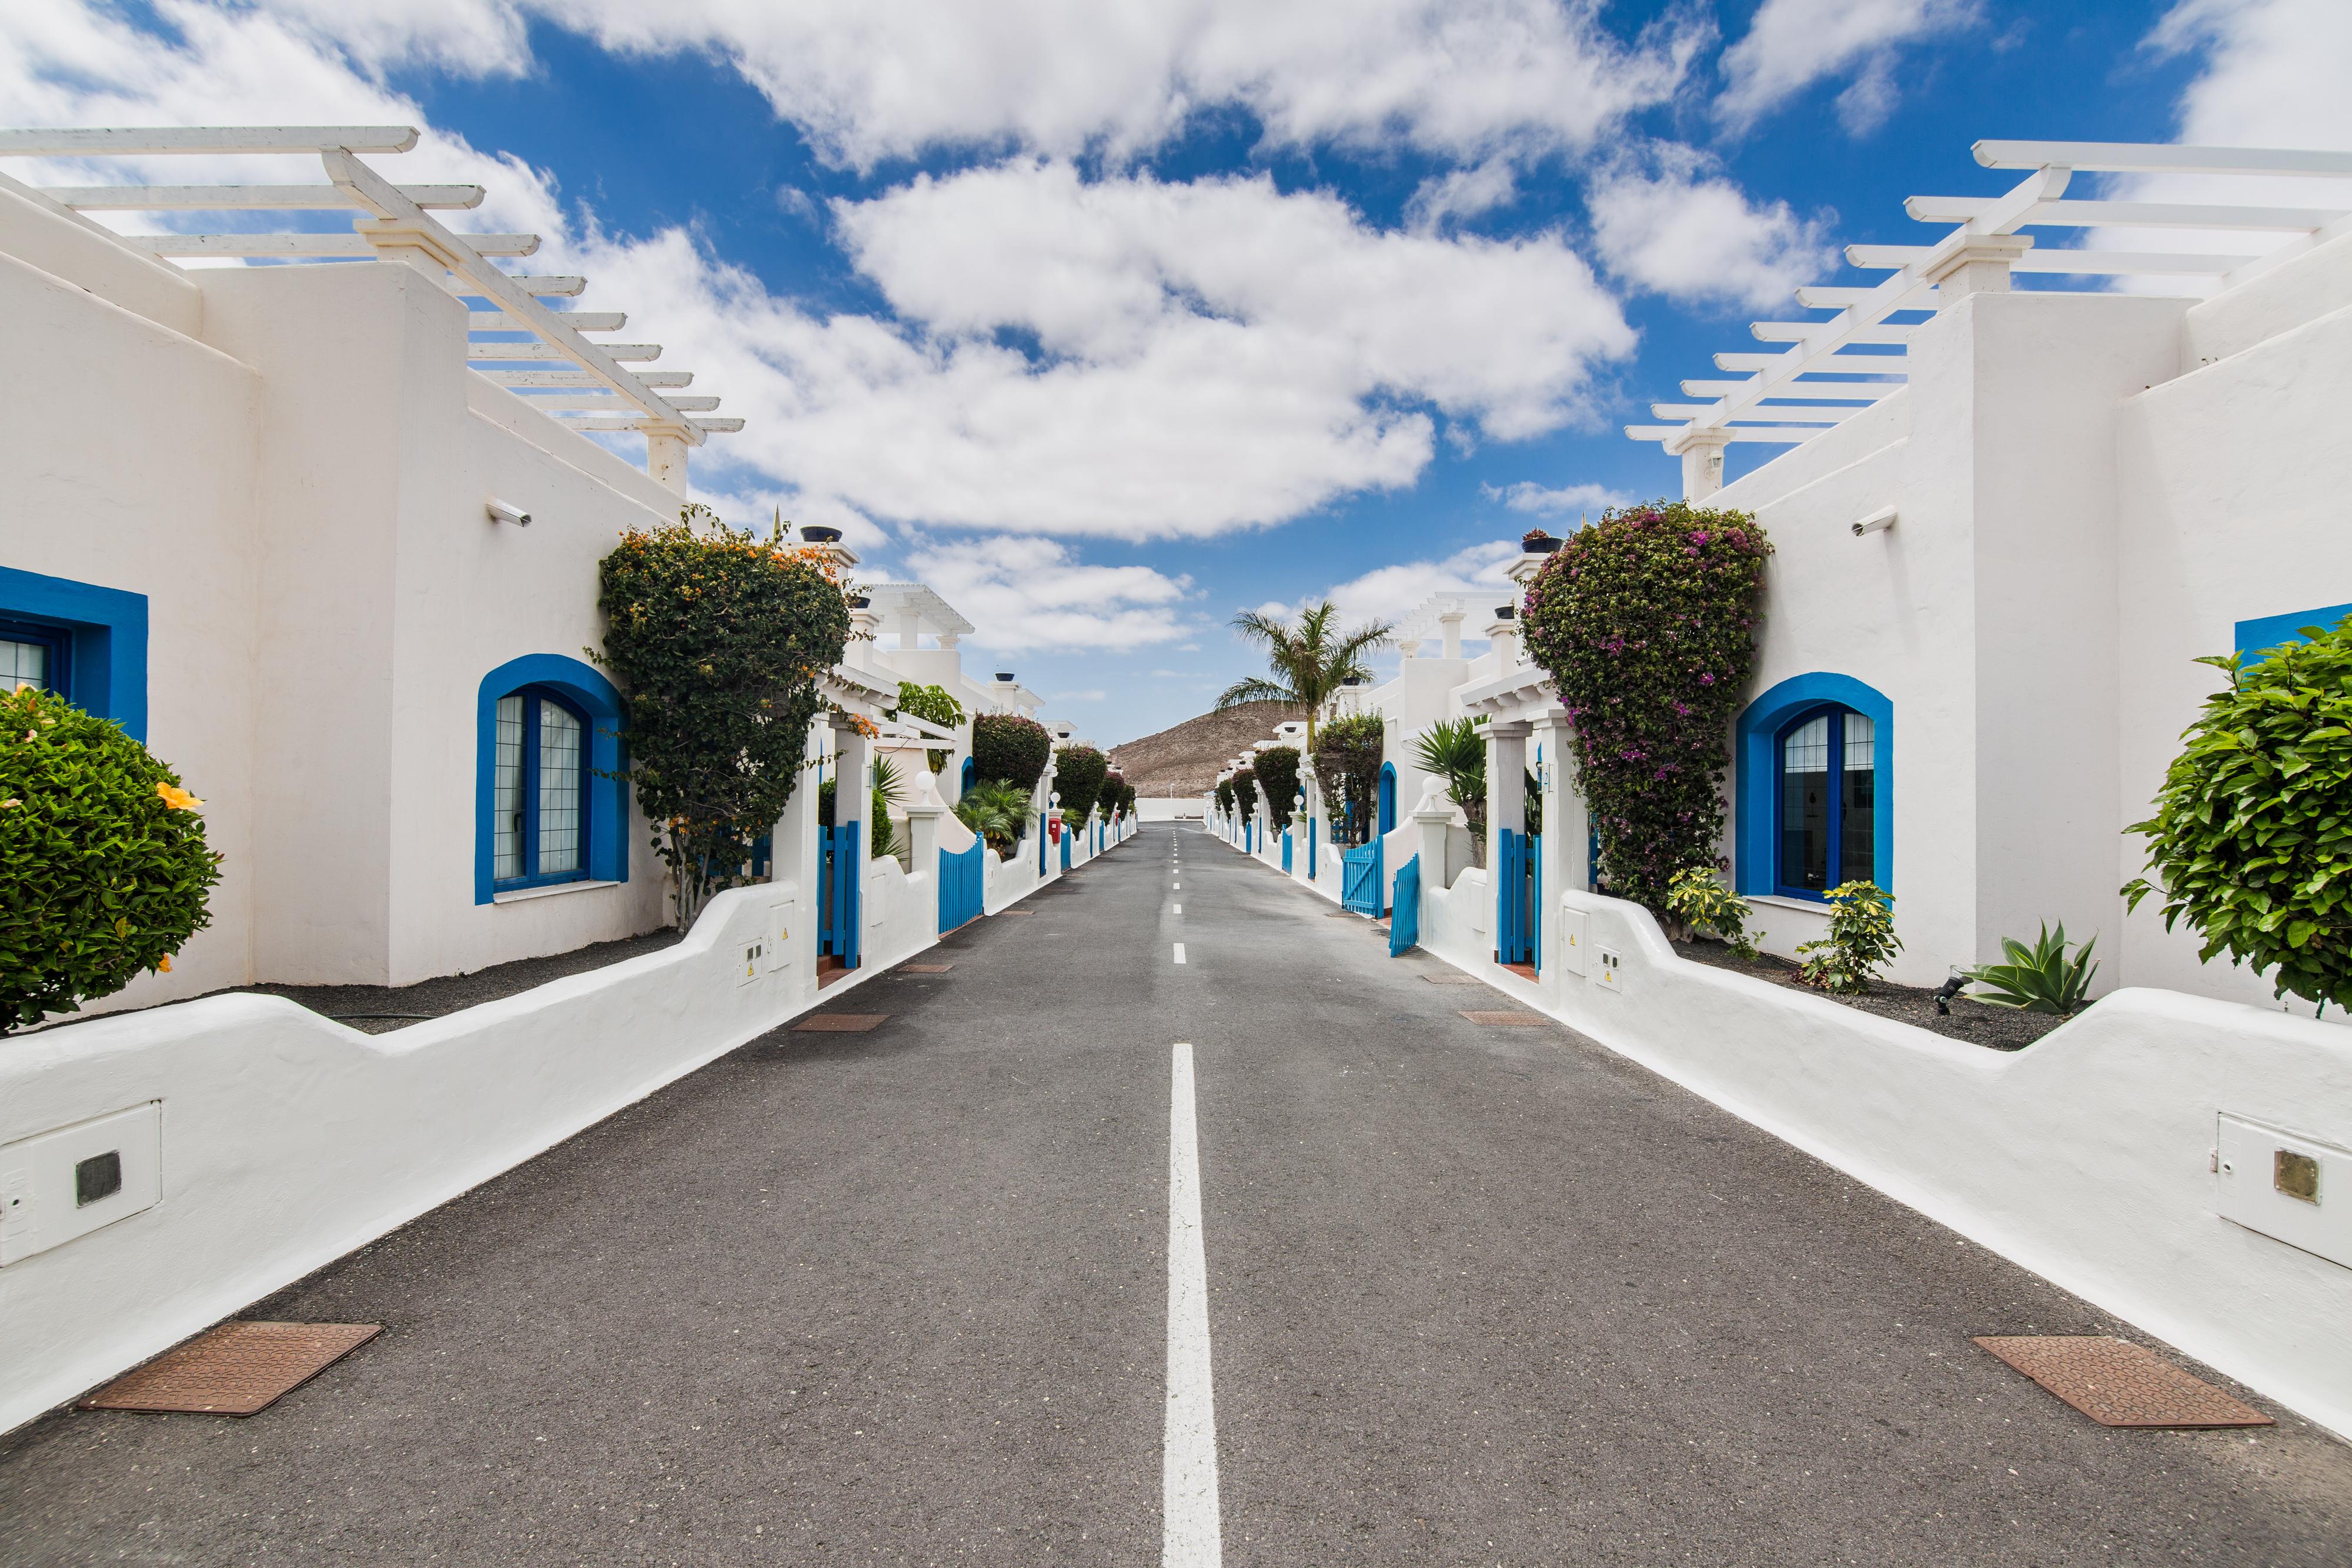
{"x":1286,"y":850}
{"x":960,"y":887}
{"x":1518,"y":897}
{"x":1310,"y":849}
{"x":836,"y":935}
{"x":1359,"y":879}
{"x":1065,"y":846}
{"x":1404,"y":925}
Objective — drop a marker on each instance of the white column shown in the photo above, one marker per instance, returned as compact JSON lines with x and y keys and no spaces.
{"x":911,"y":628}
{"x":1434,"y":819}
{"x":666,"y":458}
{"x":923,"y":814}
{"x":1504,"y":633}
{"x":1980,"y":267}
{"x":1451,"y":624}
{"x":1410,"y":647}
{"x":1701,"y":454}
{"x":792,"y":842}
{"x":1567,"y":826}
{"x":1506,"y":785}
{"x":952,"y":781}
{"x":853,"y":789}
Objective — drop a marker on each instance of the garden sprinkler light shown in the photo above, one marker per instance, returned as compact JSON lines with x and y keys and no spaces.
{"x":1947,"y":990}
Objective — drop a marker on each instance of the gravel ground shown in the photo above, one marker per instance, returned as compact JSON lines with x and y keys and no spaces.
{"x":2001,"y":1028}
{"x":379,"y":1009}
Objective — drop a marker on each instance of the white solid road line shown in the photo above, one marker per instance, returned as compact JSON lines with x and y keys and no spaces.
{"x":1189,"y":1533}
{"x":1180,"y":952}
{"x":1177,"y":908}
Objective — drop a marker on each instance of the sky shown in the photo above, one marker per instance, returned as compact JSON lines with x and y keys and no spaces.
{"x":1108,"y":319}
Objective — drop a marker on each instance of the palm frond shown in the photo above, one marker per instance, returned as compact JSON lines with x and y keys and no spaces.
{"x":1254,"y":690}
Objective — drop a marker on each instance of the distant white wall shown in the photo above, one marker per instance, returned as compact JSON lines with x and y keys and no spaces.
{"x":1167,"y":808}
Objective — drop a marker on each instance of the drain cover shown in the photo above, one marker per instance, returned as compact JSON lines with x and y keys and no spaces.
{"x":235,"y":1370}
{"x":1516,"y":1020}
{"x":926,"y":969}
{"x":840,"y":1023}
{"x":2118,"y":1383}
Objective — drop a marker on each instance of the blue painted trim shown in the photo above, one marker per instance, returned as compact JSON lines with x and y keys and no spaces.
{"x":1755,"y":773}
{"x":606,"y":800}
{"x":2260,"y":636}
{"x":1388,"y":799}
{"x":106,"y":665}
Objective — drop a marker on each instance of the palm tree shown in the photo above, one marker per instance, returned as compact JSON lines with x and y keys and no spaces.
{"x":1308,"y":661}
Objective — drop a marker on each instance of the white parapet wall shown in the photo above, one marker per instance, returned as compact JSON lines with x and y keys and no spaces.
{"x":2090,"y":1156}
{"x":287,"y":1139}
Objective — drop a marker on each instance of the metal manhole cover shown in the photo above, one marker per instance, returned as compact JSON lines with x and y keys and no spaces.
{"x":233,"y":1370}
{"x":2118,"y":1383}
{"x":1508,"y":1019}
{"x":1451,"y":979}
{"x":840,"y":1023}
{"x":926,"y":969}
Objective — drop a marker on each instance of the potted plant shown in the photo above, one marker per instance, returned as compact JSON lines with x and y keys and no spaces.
{"x":1535,"y":541}
{"x":813,"y":534}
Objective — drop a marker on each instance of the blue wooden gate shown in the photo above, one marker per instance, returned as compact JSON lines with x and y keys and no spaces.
{"x":1359,"y":879}
{"x":1404,"y":925}
{"x":960,"y":887}
{"x":1518,"y":897}
{"x":837,"y":920}
{"x":1285,"y":849}
{"x":1310,"y":849}
{"x":1065,"y":846}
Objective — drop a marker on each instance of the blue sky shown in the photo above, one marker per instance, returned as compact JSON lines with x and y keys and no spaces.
{"x":1110,"y":320}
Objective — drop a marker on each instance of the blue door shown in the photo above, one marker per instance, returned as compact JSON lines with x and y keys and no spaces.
{"x":837,"y":920}
{"x":1388,"y":799}
{"x":1285,"y":849}
{"x":1404,"y":925}
{"x":968,"y":772}
{"x":1519,"y":896}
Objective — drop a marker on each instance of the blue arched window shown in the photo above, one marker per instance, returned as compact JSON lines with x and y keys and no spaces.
{"x":548,"y":808}
{"x":1813,"y":789}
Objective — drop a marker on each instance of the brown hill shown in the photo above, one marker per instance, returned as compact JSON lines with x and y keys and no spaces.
{"x":1185,"y":761}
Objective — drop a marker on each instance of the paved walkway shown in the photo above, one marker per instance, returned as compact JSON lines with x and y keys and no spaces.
{"x":1474,"y":1295}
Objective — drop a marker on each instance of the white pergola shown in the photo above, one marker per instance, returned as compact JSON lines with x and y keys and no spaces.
{"x":515,"y":340}
{"x":1837,"y":366}
{"x":1440,"y":616}
{"x":910,"y":608}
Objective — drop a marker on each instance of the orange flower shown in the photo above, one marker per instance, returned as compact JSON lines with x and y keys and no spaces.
{"x":164,"y":964}
{"x":177,"y":799}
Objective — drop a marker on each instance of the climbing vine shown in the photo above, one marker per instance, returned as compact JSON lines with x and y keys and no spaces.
{"x":1646,"y":622}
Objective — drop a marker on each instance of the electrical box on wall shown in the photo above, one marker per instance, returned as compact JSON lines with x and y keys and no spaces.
{"x":2296,"y":1189}
{"x":754,"y":952}
{"x":60,"y":1184}
{"x":1609,"y":970}
{"x":1575,"y":936}
{"x":784,"y":918}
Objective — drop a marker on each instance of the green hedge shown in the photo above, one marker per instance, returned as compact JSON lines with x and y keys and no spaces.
{"x":1352,"y":747}
{"x":1078,"y":775}
{"x":1007,"y":746}
{"x":103,"y":866}
{"x":1277,"y":774}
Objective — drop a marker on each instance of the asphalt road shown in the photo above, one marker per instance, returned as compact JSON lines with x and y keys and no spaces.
{"x":1477,"y":1296}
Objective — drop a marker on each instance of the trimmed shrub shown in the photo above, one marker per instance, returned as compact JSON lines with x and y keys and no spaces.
{"x":716,"y":639}
{"x":1107,"y":794}
{"x":1645,"y":622}
{"x":1078,"y":775}
{"x":2252,"y":840}
{"x":1350,"y":748}
{"x":1277,"y":774}
{"x":1127,"y":799}
{"x":1225,"y":796}
{"x":1006,"y":746}
{"x":1246,"y":790}
{"x":103,"y":868}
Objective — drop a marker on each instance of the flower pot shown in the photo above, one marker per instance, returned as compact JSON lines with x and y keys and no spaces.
{"x":1537,"y":542}
{"x":811,"y":534}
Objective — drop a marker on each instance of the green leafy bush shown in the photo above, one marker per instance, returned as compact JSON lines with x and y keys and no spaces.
{"x":716,"y":639}
{"x":1351,"y":749}
{"x":1246,"y":790}
{"x":934,"y":704}
{"x":2040,"y":978}
{"x":997,"y":812}
{"x":1861,"y":940}
{"x":1455,"y":750}
{"x":1646,"y":622}
{"x":1078,"y":775}
{"x":1697,"y":898}
{"x":1225,"y":796}
{"x":1126,"y":798}
{"x":2252,"y":840}
{"x":1109,"y":793}
{"x":1006,"y":746}
{"x":1276,"y":767}
{"x":103,"y":868}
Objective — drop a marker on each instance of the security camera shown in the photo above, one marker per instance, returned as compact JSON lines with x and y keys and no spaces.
{"x":503,"y":512}
{"x":1878,"y":521}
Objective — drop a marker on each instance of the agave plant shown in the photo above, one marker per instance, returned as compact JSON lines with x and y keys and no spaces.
{"x":2040,"y":978}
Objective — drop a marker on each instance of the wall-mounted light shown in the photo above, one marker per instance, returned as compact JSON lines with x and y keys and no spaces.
{"x":506,"y":512}
{"x":1878,"y":522}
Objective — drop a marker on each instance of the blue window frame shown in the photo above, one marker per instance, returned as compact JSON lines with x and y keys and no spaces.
{"x":1825,"y":786}
{"x":538,"y":791}
{"x":88,"y":643}
{"x":549,"y":804}
{"x":1813,"y":805}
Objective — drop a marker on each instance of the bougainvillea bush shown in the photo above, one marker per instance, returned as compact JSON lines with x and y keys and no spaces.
{"x":1078,"y":774}
{"x":716,"y":639}
{"x":1351,"y":749}
{"x":1006,"y":746}
{"x":1646,"y":622}
{"x":2252,"y":840}
{"x":103,"y":868}
{"x":1277,"y":774}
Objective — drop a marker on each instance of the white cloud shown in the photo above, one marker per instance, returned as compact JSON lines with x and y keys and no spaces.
{"x":1462,"y":193}
{"x":1695,"y":236}
{"x":1527,"y":496}
{"x":1392,"y":592}
{"x":1085,"y":696}
{"x":1024,"y":592}
{"x":1792,"y":43}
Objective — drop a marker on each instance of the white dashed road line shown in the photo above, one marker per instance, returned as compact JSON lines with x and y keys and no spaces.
{"x":1180,"y":952}
{"x":1190,"y":1535}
